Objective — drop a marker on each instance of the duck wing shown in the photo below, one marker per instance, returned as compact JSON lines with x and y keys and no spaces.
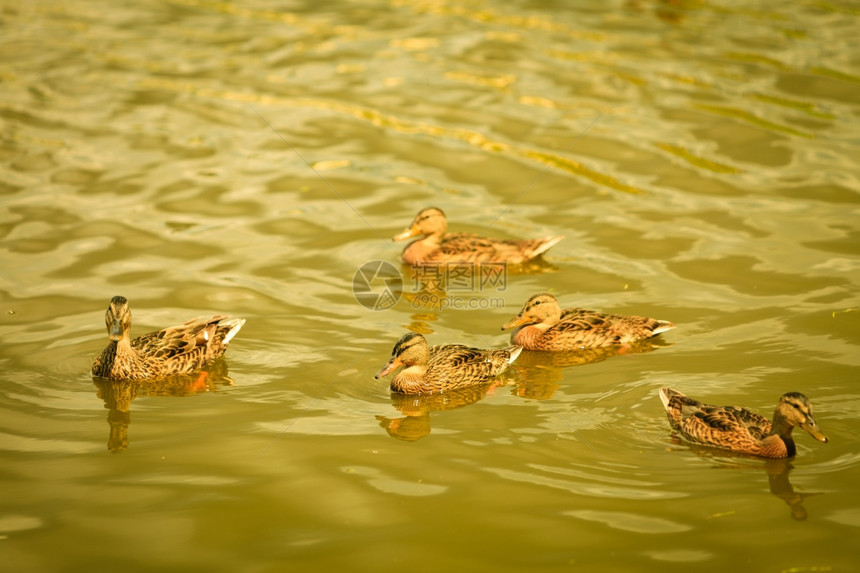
{"x":758,"y":426}
{"x":724,"y":427}
{"x":455,"y":365}
{"x":467,"y":247}
{"x":475,"y":248}
{"x":188,"y":346}
{"x":591,"y":328}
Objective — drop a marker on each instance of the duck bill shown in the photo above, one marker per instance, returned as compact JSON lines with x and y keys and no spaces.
{"x":392,"y":365}
{"x":814,"y":431}
{"x":407,"y":234}
{"x":115,"y":332}
{"x":516,"y":321}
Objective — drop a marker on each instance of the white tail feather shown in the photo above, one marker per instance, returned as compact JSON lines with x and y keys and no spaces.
{"x":515,"y":351}
{"x":547,"y":245}
{"x":664,"y":325}
{"x":665,"y":397}
{"x":236,"y":325}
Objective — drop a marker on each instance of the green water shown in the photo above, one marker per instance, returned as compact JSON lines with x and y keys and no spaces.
{"x":247,"y":158}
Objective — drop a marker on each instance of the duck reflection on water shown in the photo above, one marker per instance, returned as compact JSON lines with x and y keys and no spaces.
{"x":777,"y":471}
{"x":470,"y":285}
{"x":780,"y":486}
{"x":539,"y":374}
{"x":416,"y":409}
{"x":119,"y":394}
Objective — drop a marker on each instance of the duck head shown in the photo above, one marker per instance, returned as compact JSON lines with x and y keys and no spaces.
{"x":542,"y":308}
{"x":410,"y":350}
{"x":430,"y":221}
{"x":118,"y":318}
{"x":794,"y":409}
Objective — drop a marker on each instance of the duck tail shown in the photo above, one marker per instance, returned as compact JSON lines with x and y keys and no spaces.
{"x":663,"y":326}
{"x":234,"y":325}
{"x":502,"y":358}
{"x":513,"y":352}
{"x":543,"y":245}
{"x":666,"y":395}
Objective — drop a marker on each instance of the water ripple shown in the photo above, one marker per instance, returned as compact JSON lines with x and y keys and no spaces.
{"x":597,"y":490}
{"x":630,"y":521}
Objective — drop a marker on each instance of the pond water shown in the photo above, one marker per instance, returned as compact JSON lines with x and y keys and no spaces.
{"x":200,"y":156}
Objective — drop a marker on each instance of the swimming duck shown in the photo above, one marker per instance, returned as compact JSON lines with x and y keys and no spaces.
{"x":437,"y":369}
{"x":174,"y":350}
{"x":543,"y":325}
{"x":438,"y":246}
{"x":741,"y":430}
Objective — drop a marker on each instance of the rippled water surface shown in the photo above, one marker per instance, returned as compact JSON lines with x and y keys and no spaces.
{"x":246,"y":158}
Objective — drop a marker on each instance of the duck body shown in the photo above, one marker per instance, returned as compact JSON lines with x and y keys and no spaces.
{"x":438,"y":246}
{"x":174,"y":350}
{"x":739,"y":429}
{"x":542,"y":325}
{"x":437,"y":369}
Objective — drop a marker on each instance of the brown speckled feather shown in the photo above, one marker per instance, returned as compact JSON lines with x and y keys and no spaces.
{"x":739,"y":429}
{"x":543,"y":325}
{"x":174,"y":350}
{"x":436,"y":369}
{"x":437,"y":246}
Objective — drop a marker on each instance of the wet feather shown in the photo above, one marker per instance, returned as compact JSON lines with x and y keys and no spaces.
{"x":174,"y":350}
{"x":739,"y":429}
{"x":543,"y":325}
{"x":436,"y":369}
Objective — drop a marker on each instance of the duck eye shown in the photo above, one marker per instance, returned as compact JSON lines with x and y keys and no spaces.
{"x":537,"y":302}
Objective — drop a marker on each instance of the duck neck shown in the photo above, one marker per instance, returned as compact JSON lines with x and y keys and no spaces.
{"x":420,"y":250}
{"x":783,"y":429}
{"x":433,"y":239}
{"x":528,"y":336}
{"x":123,"y":346}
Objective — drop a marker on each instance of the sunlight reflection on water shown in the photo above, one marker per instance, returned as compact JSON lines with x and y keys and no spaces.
{"x":208,"y":157}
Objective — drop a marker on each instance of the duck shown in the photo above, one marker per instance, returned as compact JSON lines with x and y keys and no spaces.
{"x":437,"y":246}
{"x":542,"y":325}
{"x":180,"y":349}
{"x":738,"y":429}
{"x":437,"y":369}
